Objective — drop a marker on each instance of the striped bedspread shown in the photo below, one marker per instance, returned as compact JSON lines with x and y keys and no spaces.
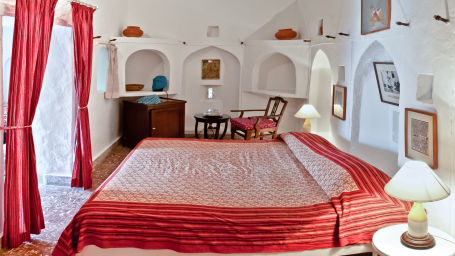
{"x":292,"y":194}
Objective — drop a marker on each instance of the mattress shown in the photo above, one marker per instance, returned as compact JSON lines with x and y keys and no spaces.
{"x":202,"y":196}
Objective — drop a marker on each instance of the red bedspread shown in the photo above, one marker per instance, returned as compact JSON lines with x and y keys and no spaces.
{"x":347,"y":208}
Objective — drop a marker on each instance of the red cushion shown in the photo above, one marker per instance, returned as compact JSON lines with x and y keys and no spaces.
{"x":248,"y":123}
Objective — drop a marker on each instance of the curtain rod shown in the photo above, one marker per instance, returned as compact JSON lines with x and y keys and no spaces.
{"x":83,"y":3}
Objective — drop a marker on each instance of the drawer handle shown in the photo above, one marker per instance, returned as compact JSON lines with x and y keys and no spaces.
{"x":153,"y":128}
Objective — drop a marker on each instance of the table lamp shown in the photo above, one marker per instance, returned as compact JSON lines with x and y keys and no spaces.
{"x":416,"y":182}
{"x":307,"y":111}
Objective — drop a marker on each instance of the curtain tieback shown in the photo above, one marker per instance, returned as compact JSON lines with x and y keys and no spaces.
{"x":15,"y":127}
{"x":82,"y":107}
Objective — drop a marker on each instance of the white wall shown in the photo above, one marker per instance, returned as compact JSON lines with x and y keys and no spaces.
{"x":226,"y":89}
{"x":290,"y":17}
{"x":424,"y":47}
{"x":52,"y":126}
{"x":109,"y":19}
{"x":188,"y":20}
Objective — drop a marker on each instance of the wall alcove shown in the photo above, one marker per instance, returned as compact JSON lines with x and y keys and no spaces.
{"x":321,"y":91}
{"x":277,"y":73}
{"x":226,"y":89}
{"x":277,"y":67}
{"x":375,"y":124}
{"x":144,"y":65}
{"x":141,"y":59}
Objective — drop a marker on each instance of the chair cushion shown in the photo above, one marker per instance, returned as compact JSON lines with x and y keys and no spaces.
{"x":248,"y":123}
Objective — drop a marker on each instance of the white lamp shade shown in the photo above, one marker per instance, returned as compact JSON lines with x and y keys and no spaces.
{"x":416,"y":182}
{"x":307,"y":111}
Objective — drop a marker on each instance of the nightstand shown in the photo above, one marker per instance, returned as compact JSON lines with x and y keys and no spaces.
{"x":386,"y":241}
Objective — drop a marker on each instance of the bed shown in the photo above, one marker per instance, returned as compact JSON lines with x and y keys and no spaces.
{"x":176,"y":196}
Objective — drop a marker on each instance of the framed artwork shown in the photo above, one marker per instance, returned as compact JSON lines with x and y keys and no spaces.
{"x":421,"y":140}
{"x":388,"y":82}
{"x":375,"y":16}
{"x":339,"y":102}
{"x":211,"y":69}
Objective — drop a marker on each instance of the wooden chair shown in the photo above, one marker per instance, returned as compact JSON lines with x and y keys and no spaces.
{"x":260,"y":126}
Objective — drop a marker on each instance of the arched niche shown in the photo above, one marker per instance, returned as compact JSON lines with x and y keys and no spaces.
{"x":226,"y":90}
{"x":144,"y":65}
{"x":275,"y":72}
{"x":321,"y":91}
{"x":374,"y":123}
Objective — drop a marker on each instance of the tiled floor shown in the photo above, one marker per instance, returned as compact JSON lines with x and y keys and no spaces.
{"x":60,"y":204}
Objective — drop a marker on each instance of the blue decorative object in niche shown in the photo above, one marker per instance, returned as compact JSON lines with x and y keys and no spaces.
{"x":148,"y":100}
{"x":159,"y":83}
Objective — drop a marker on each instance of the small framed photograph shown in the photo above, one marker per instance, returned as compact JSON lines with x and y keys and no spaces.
{"x":388,"y":82}
{"x":421,"y":140}
{"x":375,"y":16}
{"x":339,"y":102}
{"x":211,"y":69}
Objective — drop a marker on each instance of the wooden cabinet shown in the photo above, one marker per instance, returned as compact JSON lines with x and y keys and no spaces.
{"x":164,"y":120}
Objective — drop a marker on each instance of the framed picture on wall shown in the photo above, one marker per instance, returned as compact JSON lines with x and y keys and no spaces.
{"x":211,"y":69}
{"x":388,"y":82}
{"x":421,"y":140}
{"x":375,"y":16}
{"x":339,"y":102}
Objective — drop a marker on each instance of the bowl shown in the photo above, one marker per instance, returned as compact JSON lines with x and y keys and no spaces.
{"x":134,"y":87}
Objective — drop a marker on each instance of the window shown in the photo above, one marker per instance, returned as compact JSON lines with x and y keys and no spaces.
{"x":102,"y":69}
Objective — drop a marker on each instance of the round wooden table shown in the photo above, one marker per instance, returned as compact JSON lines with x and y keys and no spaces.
{"x":208,"y":124}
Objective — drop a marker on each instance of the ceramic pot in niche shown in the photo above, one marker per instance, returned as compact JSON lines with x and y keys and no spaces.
{"x":286,"y":34}
{"x":133,"y":31}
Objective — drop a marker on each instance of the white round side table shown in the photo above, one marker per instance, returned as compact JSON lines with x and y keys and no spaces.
{"x":386,"y":241}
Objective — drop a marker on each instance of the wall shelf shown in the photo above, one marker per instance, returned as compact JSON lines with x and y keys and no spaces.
{"x":142,"y":59}
{"x":275,"y":93}
{"x":144,"y":93}
{"x":211,"y":85}
{"x":145,"y":40}
{"x":294,"y":42}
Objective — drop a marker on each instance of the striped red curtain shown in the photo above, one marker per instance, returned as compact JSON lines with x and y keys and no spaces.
{"x":31,"y":41}
{"x":83,"y":51}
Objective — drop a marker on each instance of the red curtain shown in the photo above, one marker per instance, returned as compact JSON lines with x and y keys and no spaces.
{"x":83,"y":50}
{"x":31,"y":41}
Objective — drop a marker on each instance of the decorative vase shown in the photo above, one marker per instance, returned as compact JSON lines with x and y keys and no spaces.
{"x":286,"y":34}
{"x":133,"y":31}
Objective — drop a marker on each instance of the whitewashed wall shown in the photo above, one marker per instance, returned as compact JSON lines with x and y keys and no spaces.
{"x":52,"y":126}
{"x":424,"y":47}
{"x":226,"y":90}
{"x":188,"y":20}
{"x":109,"y":20}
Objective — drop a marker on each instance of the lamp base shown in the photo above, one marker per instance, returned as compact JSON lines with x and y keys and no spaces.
{"x":307,"y":126}
{"x":421,"y":243}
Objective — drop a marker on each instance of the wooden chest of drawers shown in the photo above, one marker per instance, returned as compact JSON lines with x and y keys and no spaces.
{"x":165,"y":120}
